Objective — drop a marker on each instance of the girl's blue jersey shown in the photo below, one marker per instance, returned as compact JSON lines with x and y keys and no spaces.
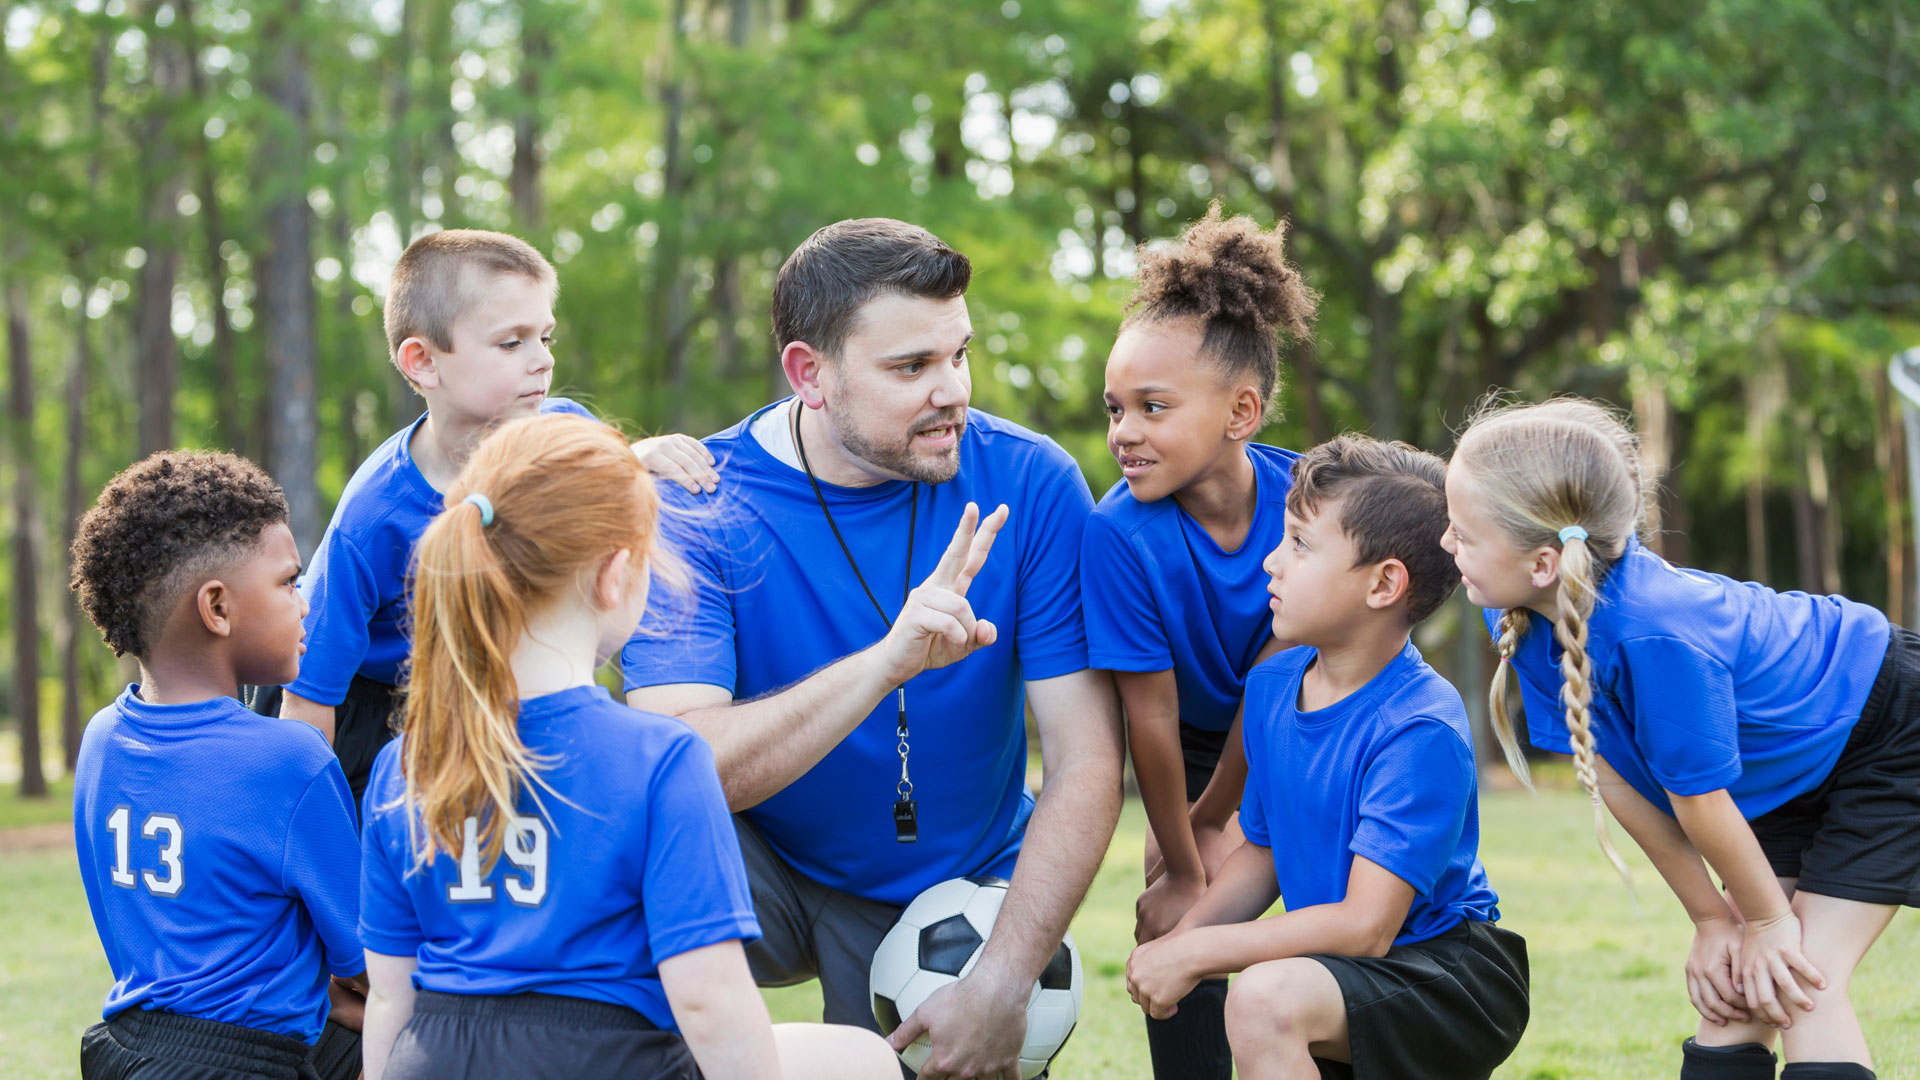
{"x":1159,"y":593}
{"x":630,"y":860}
{"x":217,"y":851}
{"x":1703,"y":683}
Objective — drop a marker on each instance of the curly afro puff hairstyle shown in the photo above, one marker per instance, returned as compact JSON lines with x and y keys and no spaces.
{"x":156,"y":524}
{"x":1234,"y":277}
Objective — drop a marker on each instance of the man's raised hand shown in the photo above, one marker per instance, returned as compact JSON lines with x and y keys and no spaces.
{"x":936,"y":626}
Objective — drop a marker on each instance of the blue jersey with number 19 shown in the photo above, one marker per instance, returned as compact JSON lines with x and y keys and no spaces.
{"x":218,"y":853}
{"x":627,"y":858}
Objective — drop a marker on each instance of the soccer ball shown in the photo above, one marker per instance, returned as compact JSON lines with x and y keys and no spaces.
{"x":938,"y":939}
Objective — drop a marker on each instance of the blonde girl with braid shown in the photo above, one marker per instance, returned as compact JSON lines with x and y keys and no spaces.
{"x":1769,"y":739}
{"x":551,"y":885}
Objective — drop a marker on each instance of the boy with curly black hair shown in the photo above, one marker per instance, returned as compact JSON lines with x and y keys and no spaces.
{"x":217,"y":847}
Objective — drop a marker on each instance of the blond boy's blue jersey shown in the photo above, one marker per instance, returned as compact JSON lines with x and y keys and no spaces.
{"x":218,"y":854}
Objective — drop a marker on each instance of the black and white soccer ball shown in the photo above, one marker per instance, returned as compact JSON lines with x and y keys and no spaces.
{"x":938,"y":940}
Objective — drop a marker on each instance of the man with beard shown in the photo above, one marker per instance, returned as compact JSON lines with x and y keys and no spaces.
{"x":859,"y":663}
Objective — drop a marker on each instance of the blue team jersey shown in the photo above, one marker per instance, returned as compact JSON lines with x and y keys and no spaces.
{"x":1160,"y":593}
{"x":775,"y":600}
{"x":1386,"y":773}
{"x":356,"y":582}
{"x":632,"y":861}
{"x":218,"y":853}
{"x":1702,"y":683}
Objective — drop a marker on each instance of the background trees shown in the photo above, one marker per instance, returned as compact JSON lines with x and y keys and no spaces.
{"x":1706,"y":212}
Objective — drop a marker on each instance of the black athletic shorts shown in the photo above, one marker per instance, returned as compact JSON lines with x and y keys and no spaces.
{"x":1857,"y":835}
{"x":362,"y":723}
{"x":534,"y":1037}
{"x":1200,"y":750}
{"x":1448,"y":1008}
{"x":138,"y":1044}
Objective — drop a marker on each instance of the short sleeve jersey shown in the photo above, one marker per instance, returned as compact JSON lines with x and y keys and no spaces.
{"x":218,"y":854}
{"x":632,"y":861}
{"x":1160,"y":593}
{"x":1386,"y":773}
{"x":1704,"y":683}
{"x":356,"y":585}
{"x":775,"y":600}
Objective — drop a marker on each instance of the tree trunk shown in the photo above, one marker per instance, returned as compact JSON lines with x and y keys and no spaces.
{"x":226,"y":365}
{"x":73,"y":628}
{"x":669,"y":300}
{"x":536,"y":51}
{"x":1890,"y":456}
{"x":1279,"y":150}
{"x":26,"y":544}
{"x":157,"y":354}
{"x":403,"y":193}
{"x":1652,"y":411}
{"x":1383,"y":350}
{"x":286,"y":281}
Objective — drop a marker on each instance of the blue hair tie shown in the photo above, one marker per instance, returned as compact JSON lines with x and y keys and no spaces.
{"x":1571,"y":532}
{"x":486,"y":508}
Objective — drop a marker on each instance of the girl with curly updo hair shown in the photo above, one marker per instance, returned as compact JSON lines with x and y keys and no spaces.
{"x":1176,"y":605}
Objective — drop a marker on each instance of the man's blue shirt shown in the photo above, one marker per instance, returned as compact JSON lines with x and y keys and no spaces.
{"x":218,"y":854}
{"x":774,"y":600}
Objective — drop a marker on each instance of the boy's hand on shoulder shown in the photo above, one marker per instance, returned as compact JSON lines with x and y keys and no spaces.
{"x":682,"y":459}
{"x":1164,"y":903}
{"x":1158,"y":976}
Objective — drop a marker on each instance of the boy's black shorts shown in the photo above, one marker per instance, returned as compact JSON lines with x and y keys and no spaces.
{"x":138,"y":1044}
{"x":1452,"y":1007}
{"x":533,"y":1036}
{"x":362,"y":723}
{"x":1857,"y":835}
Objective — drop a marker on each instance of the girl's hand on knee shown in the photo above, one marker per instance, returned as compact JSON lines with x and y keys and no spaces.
{"x":1713,"y":967}
{"x":1770,"y":960}
{"x":1157,"y":977}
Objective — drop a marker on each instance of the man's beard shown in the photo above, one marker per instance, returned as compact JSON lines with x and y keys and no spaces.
{"x":899,"y":457}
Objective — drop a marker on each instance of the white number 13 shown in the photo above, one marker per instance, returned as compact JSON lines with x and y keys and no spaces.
{"x":119,"y":824}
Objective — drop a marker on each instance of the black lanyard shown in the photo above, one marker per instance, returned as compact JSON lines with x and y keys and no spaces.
{"x":906,"y":817}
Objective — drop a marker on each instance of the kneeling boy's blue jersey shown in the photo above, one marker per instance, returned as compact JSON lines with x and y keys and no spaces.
{"x":1160,"y":593}
{"x":218,"y":853}
{"x":1701,"y":682}
{"x":1386,"y":773}
{"x":633,"y":861}
{"x":356,"y":586}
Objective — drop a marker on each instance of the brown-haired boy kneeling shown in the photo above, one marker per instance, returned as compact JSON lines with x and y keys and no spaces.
{"x":1360,"y":810}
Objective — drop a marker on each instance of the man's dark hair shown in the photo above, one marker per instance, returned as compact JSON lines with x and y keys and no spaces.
{"x":1392,"y":502}
{"x":157,"y":528}
{"x":823,"y":284}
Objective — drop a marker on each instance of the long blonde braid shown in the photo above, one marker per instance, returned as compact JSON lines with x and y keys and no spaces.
{"x":1513,"y":627}
{"x":1565,"y":462}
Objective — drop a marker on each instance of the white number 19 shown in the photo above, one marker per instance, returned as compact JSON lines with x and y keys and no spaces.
{"x":525,"y":846}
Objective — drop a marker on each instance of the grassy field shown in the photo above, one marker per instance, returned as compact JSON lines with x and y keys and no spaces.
{"x":1608,"y":997}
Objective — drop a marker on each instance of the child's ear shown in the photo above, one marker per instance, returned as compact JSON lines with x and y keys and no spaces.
{"x":611,"y":583}
{"x":214,"y":602}
{"x":802,"y":363}
{"x":1544,"y":570}
{"x":1244,"y":422}
{"x":1390,"y":584}
{"x":415,"y":361}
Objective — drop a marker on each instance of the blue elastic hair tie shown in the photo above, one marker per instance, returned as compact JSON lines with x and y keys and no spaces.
{"x":486,"y":508}
{"x":1571,"y":532}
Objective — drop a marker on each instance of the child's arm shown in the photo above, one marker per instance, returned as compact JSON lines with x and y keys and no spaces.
{"x":1217,"y":804}
{"x":1713,"y":963}
{"x":1770,"y":949}
{"x":295,"y":707}
{"x":682,"y":459}
{"x":389,"y":1007}
{"x":1365,"y":923}
{"x":1152,"y":703}
{"x":720,"y":1013}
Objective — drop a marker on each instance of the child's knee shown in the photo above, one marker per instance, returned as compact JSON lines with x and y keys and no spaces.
{"x":1278,"y":1000}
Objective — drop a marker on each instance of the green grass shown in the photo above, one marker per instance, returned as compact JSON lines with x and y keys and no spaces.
{"x":57,"y":806}
{"x":1608,"y":996}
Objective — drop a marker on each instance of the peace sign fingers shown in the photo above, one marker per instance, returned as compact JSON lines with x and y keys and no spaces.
{"x":967,"y":552}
